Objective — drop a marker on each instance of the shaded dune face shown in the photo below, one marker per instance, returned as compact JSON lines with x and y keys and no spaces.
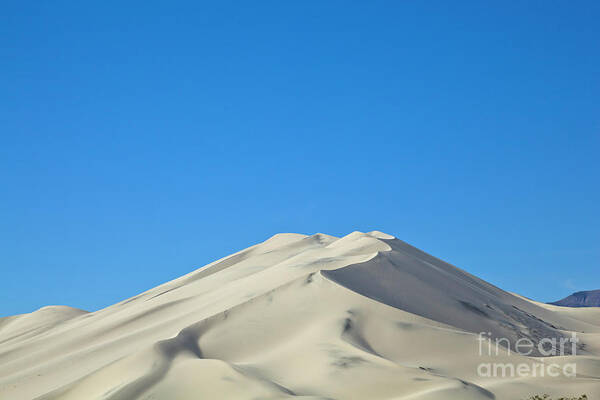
{"x":408,"y":279}
{"x":365,"y":316}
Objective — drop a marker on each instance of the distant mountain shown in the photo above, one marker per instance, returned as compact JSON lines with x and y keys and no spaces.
{"x":590,"y":298}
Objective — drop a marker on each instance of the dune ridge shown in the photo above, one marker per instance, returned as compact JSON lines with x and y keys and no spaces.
{"x":365,"y":316}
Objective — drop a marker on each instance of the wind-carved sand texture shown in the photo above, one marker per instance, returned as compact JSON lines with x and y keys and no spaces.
{"x":365,"y":316}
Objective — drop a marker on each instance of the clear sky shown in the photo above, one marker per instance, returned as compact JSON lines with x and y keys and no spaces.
{"x":142,"y":141}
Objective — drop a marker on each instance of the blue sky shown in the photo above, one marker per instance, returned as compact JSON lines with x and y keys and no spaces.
{"x":141,"y":142}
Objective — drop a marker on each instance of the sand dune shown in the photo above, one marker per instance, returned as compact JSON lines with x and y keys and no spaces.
{"x":365,"y":316}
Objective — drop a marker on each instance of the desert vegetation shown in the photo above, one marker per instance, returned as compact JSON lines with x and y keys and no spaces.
{"x":547,"y":397}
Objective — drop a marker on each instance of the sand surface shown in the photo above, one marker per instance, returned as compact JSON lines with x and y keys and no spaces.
{"x":365,"y":316}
